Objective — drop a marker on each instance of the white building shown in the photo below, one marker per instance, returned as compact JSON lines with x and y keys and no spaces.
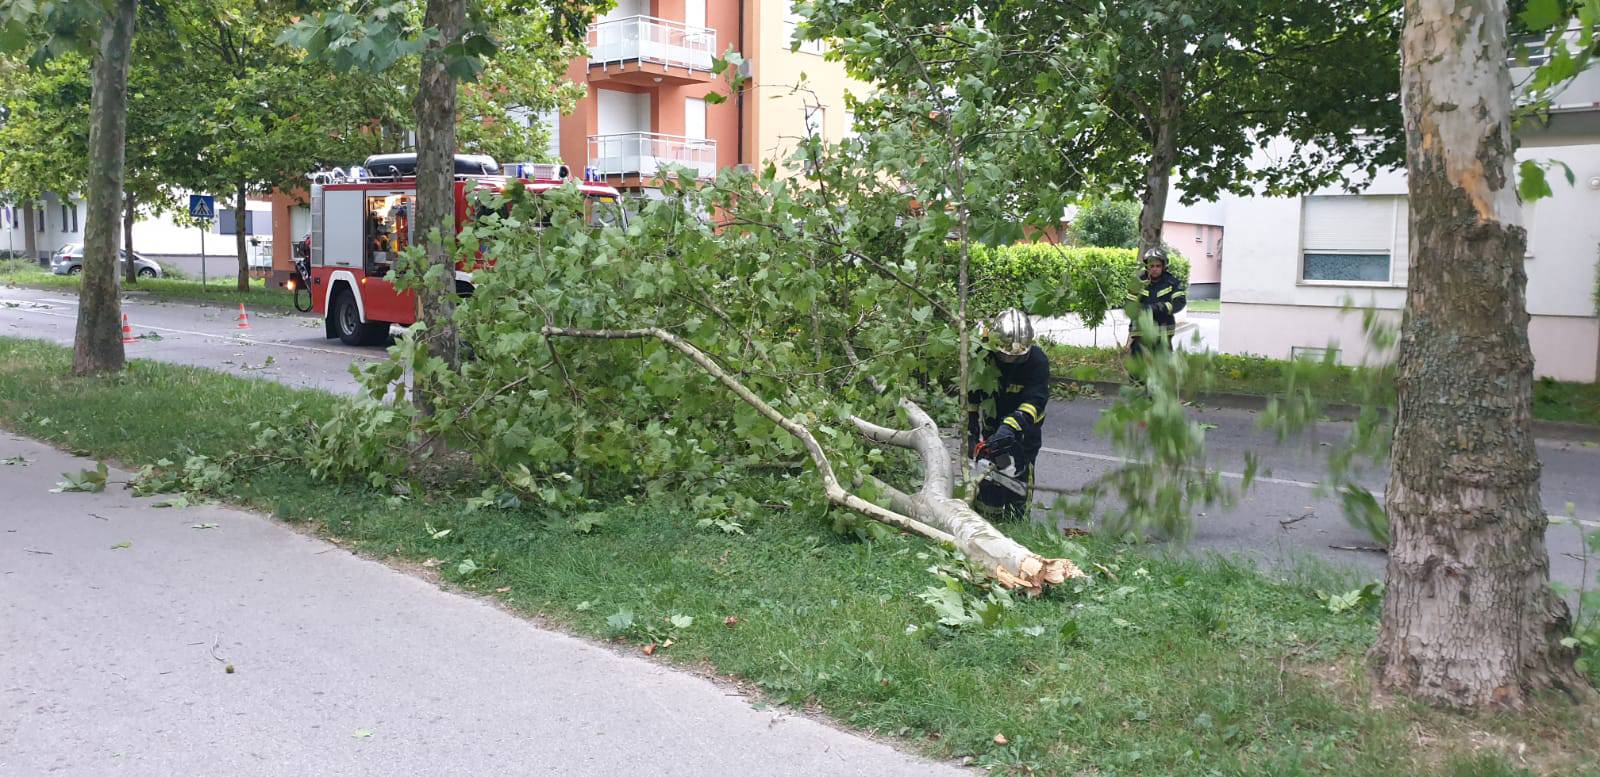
{"x":59,"y":222}
{"x":1293,"y":262}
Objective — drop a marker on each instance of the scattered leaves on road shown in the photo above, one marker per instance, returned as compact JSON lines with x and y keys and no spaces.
{"x":361,"y":733}
{"x":123,"y":545}
{"x":204,"y":526}
{"x":179,"y":501}
{"x":85,"y":480}
{"x":15,"y":461}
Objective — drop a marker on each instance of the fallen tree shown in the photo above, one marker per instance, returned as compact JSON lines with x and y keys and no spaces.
{"x":933,"y":512}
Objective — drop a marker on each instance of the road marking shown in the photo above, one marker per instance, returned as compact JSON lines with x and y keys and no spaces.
{"x":1260,"y":479}
{"x":229,"y":338}
{"x":1124,"y":460}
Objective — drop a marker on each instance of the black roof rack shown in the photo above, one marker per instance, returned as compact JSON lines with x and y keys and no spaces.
{"x":405,"y":165}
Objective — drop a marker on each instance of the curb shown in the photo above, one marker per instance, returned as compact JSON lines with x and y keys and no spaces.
{"x":1550,"y":431}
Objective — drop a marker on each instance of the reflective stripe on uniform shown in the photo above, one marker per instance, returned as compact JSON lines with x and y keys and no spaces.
{"x":1033,"y":412}
{"x":1012,"y":422}
{"x":1165,"y":292}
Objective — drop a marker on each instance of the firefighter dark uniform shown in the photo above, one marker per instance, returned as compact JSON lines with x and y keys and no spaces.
{"x":1011,"y":419}
{"x":1163,"y":297}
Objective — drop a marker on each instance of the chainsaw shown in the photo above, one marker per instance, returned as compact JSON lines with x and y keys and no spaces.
{"x":999,"y":469}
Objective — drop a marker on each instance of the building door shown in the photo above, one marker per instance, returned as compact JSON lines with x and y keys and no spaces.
{"x":694,"y":118}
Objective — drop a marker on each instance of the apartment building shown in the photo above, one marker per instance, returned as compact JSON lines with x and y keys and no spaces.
{"x":648,"y":72}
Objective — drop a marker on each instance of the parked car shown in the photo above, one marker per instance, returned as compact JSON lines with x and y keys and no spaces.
{"x":69,"y":261}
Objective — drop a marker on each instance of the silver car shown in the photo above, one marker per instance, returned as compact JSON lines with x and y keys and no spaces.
{"x":69,"y":261}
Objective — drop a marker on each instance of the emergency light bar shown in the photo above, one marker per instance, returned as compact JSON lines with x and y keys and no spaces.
{"x":541,"y":171}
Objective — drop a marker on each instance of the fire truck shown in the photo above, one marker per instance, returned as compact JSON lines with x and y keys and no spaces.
{"x":361,"y":219}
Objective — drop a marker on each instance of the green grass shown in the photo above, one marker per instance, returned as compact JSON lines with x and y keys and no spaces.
{"x":1553,"y":400}
{"x":1177,"y":666}
{"x":220,"y":290}
{"x":1206,"y":305}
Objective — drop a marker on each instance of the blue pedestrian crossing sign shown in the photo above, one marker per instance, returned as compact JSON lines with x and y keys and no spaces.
{"x":202,"y":207}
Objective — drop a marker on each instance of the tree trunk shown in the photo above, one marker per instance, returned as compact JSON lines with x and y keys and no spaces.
{"x":1468,"y":619}
{"x":1163,"y":155}
{"x":241,"y":235}
{"x":97,"y":347}
{"x":130,"y":272}
{"x":30,"y":230}
{"x":436,"y":202}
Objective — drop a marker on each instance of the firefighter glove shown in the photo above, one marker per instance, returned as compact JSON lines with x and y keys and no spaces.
{"x":1000,"y":443}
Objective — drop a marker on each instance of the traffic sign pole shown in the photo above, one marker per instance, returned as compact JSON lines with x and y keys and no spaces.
{"x":202,"y":208}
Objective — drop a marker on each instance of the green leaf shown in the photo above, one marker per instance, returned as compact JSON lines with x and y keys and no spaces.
{"x":1531,"y":183}
{"x":621,"y":620}
{"x":681,"y":621}
{"x":467,"y":567}
{"x":1542,"y":14}
{"x":123,"y":545}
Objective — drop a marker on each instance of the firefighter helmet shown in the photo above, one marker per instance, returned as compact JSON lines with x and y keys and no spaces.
{"x":1011,"y":333}
{"x":1155,"y":255}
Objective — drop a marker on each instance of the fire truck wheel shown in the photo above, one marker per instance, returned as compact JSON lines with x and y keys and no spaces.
{"x":347,"y":322}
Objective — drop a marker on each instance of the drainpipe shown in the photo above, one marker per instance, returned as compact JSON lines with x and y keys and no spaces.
{"x":740,"y":102}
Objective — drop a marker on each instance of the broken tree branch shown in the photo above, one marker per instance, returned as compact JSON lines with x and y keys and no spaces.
{"x":1002,"y":557}
{"x":835,"y":492}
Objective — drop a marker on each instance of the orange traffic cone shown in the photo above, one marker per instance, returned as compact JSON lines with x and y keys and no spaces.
{"x":243,"y":320}
{"x":127,"y":331}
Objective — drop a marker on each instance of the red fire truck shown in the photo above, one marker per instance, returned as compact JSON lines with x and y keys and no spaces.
{"x":362,"y":218}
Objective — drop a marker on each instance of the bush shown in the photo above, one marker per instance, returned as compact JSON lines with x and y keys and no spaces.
{"x":1051,"y":280}
{"x":1106,"y":224}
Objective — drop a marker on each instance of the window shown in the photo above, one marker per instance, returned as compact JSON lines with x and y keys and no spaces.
{"x":1364,"y":268}
{"x":38,"y":220}
{"x":1308,"y":354}
{"x":388,"y":230}
{"x":1351,"y":239}
{"x":255,"y":222}
{"x":69,"y":217}
{"x":791,"y":24}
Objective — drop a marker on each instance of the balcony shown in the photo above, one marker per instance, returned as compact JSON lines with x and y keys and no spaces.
{"x":646,"y":51}
{"x":641,"y":155}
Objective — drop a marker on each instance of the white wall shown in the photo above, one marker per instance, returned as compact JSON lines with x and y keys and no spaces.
{"x":1268,"y":309}
{"x":621,"y":112}
{"x":625,"y":8}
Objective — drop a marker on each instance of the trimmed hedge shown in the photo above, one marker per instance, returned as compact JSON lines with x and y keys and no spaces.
{"x":1050,"y":280}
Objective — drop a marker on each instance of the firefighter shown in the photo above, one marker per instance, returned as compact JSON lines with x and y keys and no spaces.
{"x":1006,"y":425}
{"x":1163,"y":296}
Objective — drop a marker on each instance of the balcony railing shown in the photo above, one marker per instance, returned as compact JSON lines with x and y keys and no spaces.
{"x":646,"y":153}
{"x":649,"y":39}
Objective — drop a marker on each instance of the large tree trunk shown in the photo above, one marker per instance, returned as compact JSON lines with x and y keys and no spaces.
{"x":30,"y":230}
{"x":1469,"y":619}
{"x":241,"y":235}
{"x":436,"y":204}
{"x":97,"y":347}
{"x":1163,"y":155}
{"x":130,"y":272}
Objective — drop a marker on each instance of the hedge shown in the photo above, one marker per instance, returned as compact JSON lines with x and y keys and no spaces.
{"x":1050,"y":280}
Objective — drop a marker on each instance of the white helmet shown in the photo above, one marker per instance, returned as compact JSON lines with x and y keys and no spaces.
{"x":1011,"y":333}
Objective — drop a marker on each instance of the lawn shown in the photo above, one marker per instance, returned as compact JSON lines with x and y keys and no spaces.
{"x":1205,"y":305}
{"x":1553,"y":400}
{"x":1161,"y":666}
{"x":220,"y":290}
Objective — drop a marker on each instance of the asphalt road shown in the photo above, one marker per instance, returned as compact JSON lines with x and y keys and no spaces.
{"x":1280,"y":523}
{"x":118,"y":621}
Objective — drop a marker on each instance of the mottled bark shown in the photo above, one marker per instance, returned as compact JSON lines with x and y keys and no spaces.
{"x":436,"y":145}
{"x":1468,"y":619}
{"x":30,"y":230}
{"x":97,"y":346}
{"x":241,"y":235}
{"x":130,"y":272}
{"x":1163,"y":155}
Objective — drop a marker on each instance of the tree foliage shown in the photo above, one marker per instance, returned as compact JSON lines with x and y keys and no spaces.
{"x":1121,"y":95}
{"x":1106,"y":223}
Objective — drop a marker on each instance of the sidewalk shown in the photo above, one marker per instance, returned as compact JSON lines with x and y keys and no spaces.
{"x":113,"y":656}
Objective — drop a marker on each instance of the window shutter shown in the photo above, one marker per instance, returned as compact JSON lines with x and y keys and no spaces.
{"x":1349,"y":223}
